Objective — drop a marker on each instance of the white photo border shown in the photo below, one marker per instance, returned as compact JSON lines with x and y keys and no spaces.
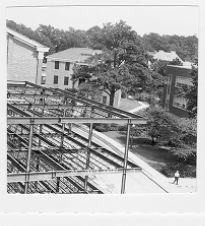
{"x":141,"y":203}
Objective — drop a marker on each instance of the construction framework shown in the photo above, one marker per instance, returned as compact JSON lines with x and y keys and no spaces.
{"x":50,"y":141}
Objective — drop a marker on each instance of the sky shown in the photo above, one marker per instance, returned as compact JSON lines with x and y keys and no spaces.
{"x":179,"y":20}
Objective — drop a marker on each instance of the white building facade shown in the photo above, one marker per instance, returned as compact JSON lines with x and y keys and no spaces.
{"x":24,"y":58}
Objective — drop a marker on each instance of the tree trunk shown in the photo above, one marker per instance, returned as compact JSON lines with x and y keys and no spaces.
{"x":112,"y":98}
{"x":153,"y":140}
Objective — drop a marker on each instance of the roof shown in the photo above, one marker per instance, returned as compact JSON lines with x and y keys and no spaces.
{"x":178,"y":70}
{"x":30,"y":42}
{"x":165,"y":56}
{"x":74,"y":55}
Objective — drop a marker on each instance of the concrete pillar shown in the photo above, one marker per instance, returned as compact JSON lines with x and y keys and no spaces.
{"x":40,"y":57}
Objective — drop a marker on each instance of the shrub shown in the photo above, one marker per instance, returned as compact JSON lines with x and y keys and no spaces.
{"x":185,"y":154}
{"x":105,"y":127}
{"x":185,"y":170}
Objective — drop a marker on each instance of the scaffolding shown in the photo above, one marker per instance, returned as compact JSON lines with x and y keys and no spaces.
{"x":50,"y":141}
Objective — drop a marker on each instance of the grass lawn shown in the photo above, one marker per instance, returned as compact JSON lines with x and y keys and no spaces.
{"x":155,"y":157}
{"x":128,"y":104}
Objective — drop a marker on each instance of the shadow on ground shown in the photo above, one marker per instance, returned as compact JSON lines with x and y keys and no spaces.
{"x":153,"y":155}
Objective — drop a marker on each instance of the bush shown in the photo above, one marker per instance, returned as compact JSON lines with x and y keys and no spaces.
{"x":100,"y":127}
{"x":186,"y":155}
{"x":105,"y":127}
{"x":122,"y":128}
{"x":185,"y":170}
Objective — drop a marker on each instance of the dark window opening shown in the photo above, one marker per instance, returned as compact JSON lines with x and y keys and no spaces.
{"x":66,"y":79}
{"x":44,"y":60}
{"x":56,"y":64}
{"x":55,"y":80}
{"x":43,"y":80}
{"x":67,"y":66}
{"x":81,"y":80}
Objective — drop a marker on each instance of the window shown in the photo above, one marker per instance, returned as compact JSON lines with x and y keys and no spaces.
{"x":66,"y":79}
{"x":56,"y":64}
{"x":67,"y":66}
{"x":55,"y":80}
{"x":44,"y":60}
{"x":43,"y":80}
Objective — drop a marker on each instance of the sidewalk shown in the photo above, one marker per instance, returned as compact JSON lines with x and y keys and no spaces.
{"x":141,"y":107}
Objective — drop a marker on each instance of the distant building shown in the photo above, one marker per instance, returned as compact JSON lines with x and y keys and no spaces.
{"x":60,"y":66}
{"x":165,"y":57}
{"x":24,"y":58}
{"x":179,"y":81}
{"x":60,"y":69}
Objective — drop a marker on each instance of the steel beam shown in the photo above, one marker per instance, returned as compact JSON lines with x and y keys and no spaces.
{"x":61,"y":152}
{"x":125,"y":159}
{"x":88,"y":153}
{"x":29,"y":158}
{"x":50,"y":175}
{"x":81,"y":99}
{"x":16,"y":163}
{"x":57,"y":120}
{"x":49,"y":106}
{"x":46,"y":149}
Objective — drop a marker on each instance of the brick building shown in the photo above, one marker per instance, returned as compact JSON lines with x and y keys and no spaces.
{"x":179,"y":81}
{"x":24,"y":58}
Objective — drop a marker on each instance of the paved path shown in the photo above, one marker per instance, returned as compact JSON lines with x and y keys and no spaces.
{"x":142,"y":106}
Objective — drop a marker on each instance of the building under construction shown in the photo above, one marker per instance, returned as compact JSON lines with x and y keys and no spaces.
{"x":51,"y":144}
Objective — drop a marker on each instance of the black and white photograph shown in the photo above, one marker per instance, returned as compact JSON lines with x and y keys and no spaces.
{"x":102,"y":99}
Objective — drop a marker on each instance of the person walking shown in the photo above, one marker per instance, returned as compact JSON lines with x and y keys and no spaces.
{"x":176,"y":177}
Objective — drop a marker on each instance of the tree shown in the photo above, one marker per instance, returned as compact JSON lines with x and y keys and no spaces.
{"x":89,"y":90}
{"x":95,"y":37}
{"x":109,"y":36}
{"x":179,"y":134}
{"x":106,"y":73}
{"x":161,"y":125}
{"x":184,"y":145}
{"x":110,"y":69}
{"x":60,"y":39}
{"x":155,"y":42}
{"x":185,"y":47}
{"x":122,"y":65}
{"x":191,"y":95}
